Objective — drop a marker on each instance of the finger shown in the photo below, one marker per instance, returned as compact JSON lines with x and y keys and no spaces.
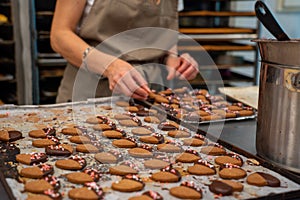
{"x":131,"y":84}
{"x":141,"y":81}
{"x":189,"y":74}
{"x":184,"y":65}
{"x":171,"y":73}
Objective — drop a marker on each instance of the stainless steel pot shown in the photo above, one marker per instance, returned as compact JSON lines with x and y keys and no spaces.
{"x":278,"y":123}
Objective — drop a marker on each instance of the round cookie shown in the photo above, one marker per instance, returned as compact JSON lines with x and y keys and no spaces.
{"x":234,"y":108}
{"x":263,"y":179}
{"x":155,"y":138}
{"x":202,"y":168}
{"x":142,"y":151}
{"x":114,"y":134}
{"x":111,"y":157}
{"x":141,"y":131}
{"x":148,"y":195}
{"x":38,"y":171}
{"x":244,"y":113}
{"x":130,"y":183}
{"x":156,"y":164}
{"x":229,"y":171}
{"x":189,"y":156}
{"x":169,"y":148}
{"x":42,"y":133}
{"x":77,"y":139}
{"x":71,"y":131}
{"x":213,"y":149}
{"x":229,"y":158}
{"x":179,"y":134}
{"x":10,"y":136}
{"x":72,"y":163}
{"x":42,"y":143}
{"x":32,"y":158}
{"x":125,"y":143}
{"x":59,"y":150}
{"x":186,"y":190}
{"x":87,"y":148}
{"x":122,"y":170}
{"x":166,"y":175}
{"x":90,"y":191}
{"x":152,"y":119}
{"x":88,"y":175}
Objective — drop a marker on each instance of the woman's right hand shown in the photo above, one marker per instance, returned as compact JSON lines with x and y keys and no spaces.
{"x":124,"y":78}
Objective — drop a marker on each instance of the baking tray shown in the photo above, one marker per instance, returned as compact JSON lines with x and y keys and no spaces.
{"x":92,"y":102}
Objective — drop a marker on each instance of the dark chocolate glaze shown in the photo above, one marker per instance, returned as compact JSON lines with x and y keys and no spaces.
{"x":49,"y":131}
{"x":95,"y":174}
{"x":53,"y":181}
{"x":53,"y":194}
{"x":271,"y":180}
{"x":159,"y":137}
{"x":134,"y":178}
{"x":14,"y":135}
{"x":57,"y":150}
{"x":154,"y":195}
{"x":46,"y":169}
{"x":96,"y":188}
{"x":36,"y":158}
{"x":165,"y":126}
{"x":8,"y":152}
{"x":172,"y":170}
{"x":220,"y":188}
{"x":143,"y":113}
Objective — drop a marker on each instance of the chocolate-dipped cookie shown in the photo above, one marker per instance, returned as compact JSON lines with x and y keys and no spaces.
{"x":31,"y":158}
{"x":168,"y":126}
{"x":263,"y":179}
{"x":166,"y":175}
{"x":188,"y":156}
{"x":73,"y":163}
{"x":10,"y":136}
{"x":110,"y":157}
{"x":128,"y":142}
{"x":88,"y":175}
{"x":196,"y":141}
{"x":71,"y":131}
{"x":42,"y":133}
{"x":38,"y":171}
{"x":114,"y":134}
{"x":229,"y":158}
{"x":90,"y":191}
{"x":213,"y":149}
{"x":130,"y":183}
{"x":123,"y":169}
{"x":179,"y":134}
{"x":186,"y":190}
{"x":155,"y":138}
{"x":39,"y":186}
{"x":42,"y":143}
{"x":169,"y":148}
{"x":59,"y":150}
{"x":142,"y":151}
{"x":143,"y":130}
{"x":202,"y":168}
{"x":230,"y":171}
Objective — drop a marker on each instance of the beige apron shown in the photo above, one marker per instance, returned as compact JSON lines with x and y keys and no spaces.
{"x":106,"y":20}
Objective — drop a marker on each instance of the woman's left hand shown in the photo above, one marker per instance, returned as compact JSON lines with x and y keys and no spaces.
{"x":183,"y":67}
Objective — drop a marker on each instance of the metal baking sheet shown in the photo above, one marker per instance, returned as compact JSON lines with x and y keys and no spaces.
{"x":81,"y":110}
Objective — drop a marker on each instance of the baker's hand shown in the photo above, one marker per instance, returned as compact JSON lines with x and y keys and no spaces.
{"x":124,"y":78}
{"x":184,"y":67}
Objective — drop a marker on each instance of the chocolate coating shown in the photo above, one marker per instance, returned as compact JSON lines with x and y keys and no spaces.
{"x":14,"y":135}
{"x":220,"y":188}
{"x":271,"y":180}
{"x":57,"y":150}
{"x":166,"y":126}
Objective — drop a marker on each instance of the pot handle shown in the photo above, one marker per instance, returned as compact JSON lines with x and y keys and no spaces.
{"x":267,"y":19}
